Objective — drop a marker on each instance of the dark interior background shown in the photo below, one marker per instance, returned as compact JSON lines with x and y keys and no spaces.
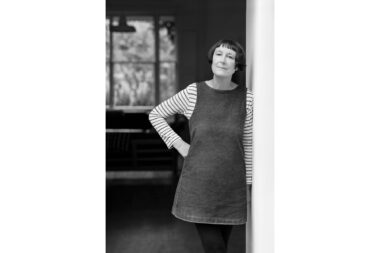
{"x":141,"y":172}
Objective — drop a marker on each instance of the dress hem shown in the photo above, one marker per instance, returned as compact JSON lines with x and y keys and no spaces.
{"x":220,"y":221}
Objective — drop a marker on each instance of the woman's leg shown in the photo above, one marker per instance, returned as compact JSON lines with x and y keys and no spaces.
{"x":226,"y":232}
{"x":214,"y":238}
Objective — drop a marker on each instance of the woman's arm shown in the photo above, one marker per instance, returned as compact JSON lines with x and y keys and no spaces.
{"x":247,"y":138}
{"x":180,"y":103}
{"x":182,"y":147}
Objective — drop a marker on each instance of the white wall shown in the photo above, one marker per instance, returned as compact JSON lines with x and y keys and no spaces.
{"x":260,"y":77}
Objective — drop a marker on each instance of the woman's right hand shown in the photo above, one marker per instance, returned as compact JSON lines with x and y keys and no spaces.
{"x":182,"y":147}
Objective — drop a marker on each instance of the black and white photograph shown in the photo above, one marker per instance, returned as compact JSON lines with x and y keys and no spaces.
{"x":179,"y":126}
{"x":189,"y":126}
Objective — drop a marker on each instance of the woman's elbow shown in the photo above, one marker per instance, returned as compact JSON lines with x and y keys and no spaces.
{"x":153,"y":115}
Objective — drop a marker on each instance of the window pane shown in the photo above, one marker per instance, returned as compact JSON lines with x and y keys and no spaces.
{"x":167,"y":39}
{"x":135,"y":46}
{"x":107,"y":84}
{"x":107,"y":39}
{"x":167,"y":80}
{"x":168,"y":57}
{"x":134,"y":84}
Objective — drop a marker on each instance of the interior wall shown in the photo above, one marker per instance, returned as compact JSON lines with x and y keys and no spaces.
{"x":200,"y":23}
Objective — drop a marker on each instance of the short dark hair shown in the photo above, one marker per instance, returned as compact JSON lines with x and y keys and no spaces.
{"x":233,"y":45}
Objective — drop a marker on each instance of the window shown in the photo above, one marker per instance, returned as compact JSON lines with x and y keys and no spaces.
{"x":141,"y":60}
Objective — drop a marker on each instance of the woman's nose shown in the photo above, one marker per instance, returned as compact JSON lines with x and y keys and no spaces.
{"x":223,"y":58}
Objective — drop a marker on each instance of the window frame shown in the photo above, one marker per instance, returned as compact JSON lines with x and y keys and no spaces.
{"x":109,"y":63}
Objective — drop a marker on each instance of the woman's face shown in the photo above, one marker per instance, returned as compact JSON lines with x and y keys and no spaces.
{"x":223,"y":62}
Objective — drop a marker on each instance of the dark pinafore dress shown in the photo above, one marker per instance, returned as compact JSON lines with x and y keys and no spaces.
{"x":212,"y":185}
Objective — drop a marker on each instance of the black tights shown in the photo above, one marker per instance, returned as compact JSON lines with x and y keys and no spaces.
{"x":214,"y":237}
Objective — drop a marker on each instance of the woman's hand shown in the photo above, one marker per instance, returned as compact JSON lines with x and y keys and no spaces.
{"x":182,"y":147}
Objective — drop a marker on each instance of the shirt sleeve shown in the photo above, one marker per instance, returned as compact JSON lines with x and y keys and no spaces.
{"x":177,"y":104}
{"x":247,"y":138}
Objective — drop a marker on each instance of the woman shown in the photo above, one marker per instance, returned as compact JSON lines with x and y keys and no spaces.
{"x":212,"y":189}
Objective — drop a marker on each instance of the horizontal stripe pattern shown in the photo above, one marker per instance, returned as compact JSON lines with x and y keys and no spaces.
{"x":184,"y":103}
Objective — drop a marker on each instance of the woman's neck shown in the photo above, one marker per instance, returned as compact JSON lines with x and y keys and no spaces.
{"x":222,"y":83}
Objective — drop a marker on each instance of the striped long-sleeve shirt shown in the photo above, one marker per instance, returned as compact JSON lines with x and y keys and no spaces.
{"x":184,"y":103}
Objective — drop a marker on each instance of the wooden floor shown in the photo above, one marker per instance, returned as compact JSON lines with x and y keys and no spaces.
{"x":138,"y":220}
